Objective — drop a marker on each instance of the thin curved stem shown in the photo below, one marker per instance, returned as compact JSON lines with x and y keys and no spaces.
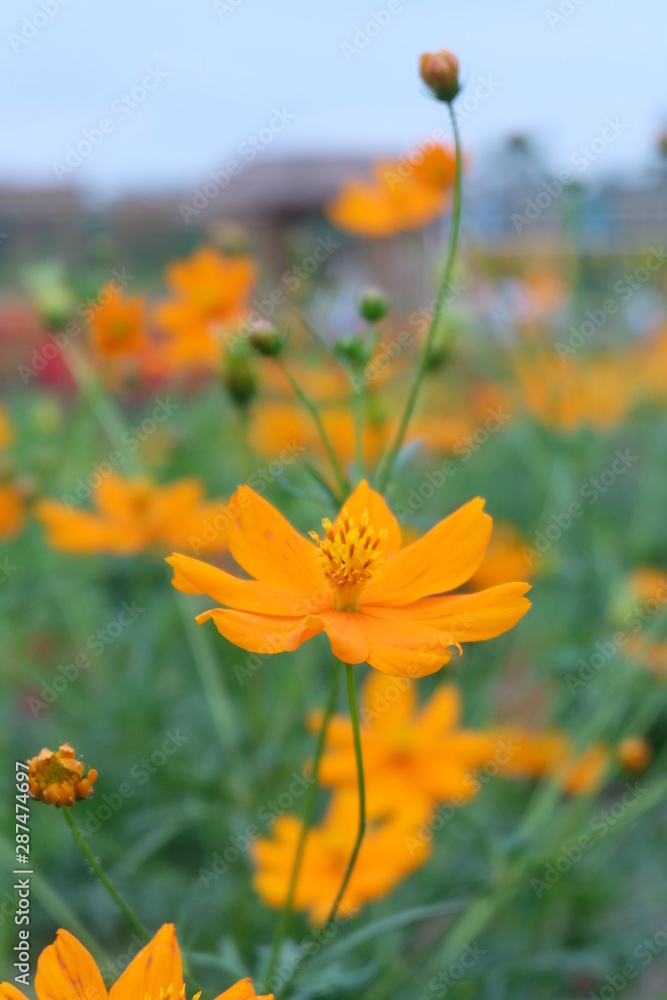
{"x":389,"y":459}
{"x":127,"y":911}
{"x":361,"y":829}
{"x":341,"y":478}
{"x":309,"y":809}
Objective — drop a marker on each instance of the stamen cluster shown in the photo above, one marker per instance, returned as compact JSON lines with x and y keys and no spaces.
{"x":349,"y":554}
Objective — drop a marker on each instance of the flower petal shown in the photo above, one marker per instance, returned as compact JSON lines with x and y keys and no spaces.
{"x":243,"y":990}
{"x":266,"y":545}
{"x":440,"y":713}
{"x":469,"y":617}
{"x":443,"y":559}
{"x":379,"y":515}
{"x":277,"y":634}
{"x":156,"y":967}
{"x":9,"y":992}
{"x":67,"y":971}
{"x":402,"y":647}
{"x":387,"y":703}
{"x":85,"y":533}
{"x":192,"y":576}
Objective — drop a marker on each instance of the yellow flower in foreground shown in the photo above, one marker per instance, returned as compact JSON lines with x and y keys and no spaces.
{"x":375,"y":601}
{"x":57,"y":777}
{"x":134,"y":515}
{"x":414,"y":757}
{"x":67,"y":971}
{"x":382,"y":862}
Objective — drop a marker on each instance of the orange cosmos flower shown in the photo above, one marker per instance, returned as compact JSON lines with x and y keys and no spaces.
{"x":552,"y":755}
{"x":12,"y":510}
{"x":57,"y":778}
{"x":414,"y":758}
{"x":382,"y":862}
{"x":401,"y":194}
{"x":210,"y":295}
{"x":566,"y":394}
{"x":133,"y":515}
{"x":66,"y":970}
{"x":117,"y":327}
{"x":374,"y":601}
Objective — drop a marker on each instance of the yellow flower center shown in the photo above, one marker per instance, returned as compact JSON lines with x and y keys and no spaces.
{"x":169,"y":994}
{"x":349,"y":556}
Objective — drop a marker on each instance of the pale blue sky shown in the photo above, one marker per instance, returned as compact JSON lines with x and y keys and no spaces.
{"x":227,"y":69}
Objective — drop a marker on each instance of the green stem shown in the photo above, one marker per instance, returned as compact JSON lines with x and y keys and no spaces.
{"x":361,"y":829}
{"x":389,"y":459}
{"x":359,"y":434}
{"x":341,"y":478}
{"x":131,"y":917}
{"x":309,"y":809}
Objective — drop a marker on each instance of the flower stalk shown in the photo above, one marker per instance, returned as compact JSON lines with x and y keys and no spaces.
{"x":389,"y":459}
{"x":361,"y":829}
{"x":84,"y":847}
{"x":308,"y":812}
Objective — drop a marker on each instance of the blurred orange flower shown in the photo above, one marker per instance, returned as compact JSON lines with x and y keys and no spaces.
{"x":504,"y":559}
{"x":372,"y":599}
{"x":553,"y":755}
{"x":12,"y":510}
{"x":57,"y":778}
{"x":65,"y":969}
{"x":382,"y":862}
{"x":401,"y":194}
{"x":117,"y":326}
{"x":634,"y":753}
{"x":414,"y":757}
{"x":566,"y":394}
{"x":134,"y":515}
{"x":210,"y":295}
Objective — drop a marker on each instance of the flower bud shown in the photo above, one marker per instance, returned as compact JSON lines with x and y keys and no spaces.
{"x":266,"y":339}
{"x":58,"y":778}
{"x":354,"y":350}
{"x":373,"y":305}
{"x":440,"y":73}
{"x":239,"y":377}
{"x":634,"y":753}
